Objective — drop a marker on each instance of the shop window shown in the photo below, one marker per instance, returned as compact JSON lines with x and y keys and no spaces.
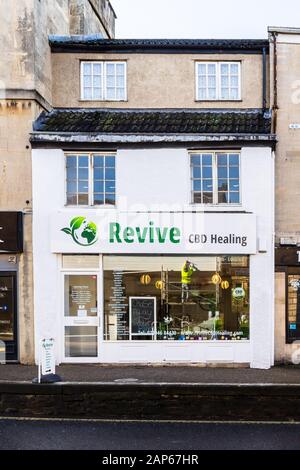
{"x":293,"y":307}
{"x":90,"y":179}
{"x":103,"y":81}
{"x":215,"y":178}
{"x":218,"y":81}
{"x":154,"y":298}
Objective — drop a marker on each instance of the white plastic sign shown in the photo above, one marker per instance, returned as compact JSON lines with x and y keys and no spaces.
{"x":47,"y":357}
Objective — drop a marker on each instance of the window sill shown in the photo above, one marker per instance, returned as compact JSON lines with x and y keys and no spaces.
{"x":81,"y":100}
{"x":239,"y":100}
{"x":102,"y":206}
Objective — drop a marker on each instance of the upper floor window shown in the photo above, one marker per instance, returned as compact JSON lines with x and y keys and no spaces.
{"x":103,"y":81}
{"x":218,"y":81}
{"x":215,"y":178}
{"x":90,"y":179}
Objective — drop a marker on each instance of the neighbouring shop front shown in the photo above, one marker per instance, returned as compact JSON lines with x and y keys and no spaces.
{"x":287,"y":260}
{"x":11,"y":244}
{"x":151,"y":288}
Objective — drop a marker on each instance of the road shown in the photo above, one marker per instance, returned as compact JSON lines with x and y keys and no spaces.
{"x":25,"y":434}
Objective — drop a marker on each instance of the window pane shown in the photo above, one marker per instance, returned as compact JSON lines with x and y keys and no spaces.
{"x":110,"y":187}
{"x":87,"y":81}
{"x":110,"y":199}
{"x":83,"y":186}
{"x":233,"y":159}
{"x":195,"y":159}
{"x":98,"y":186}
{"x":98,"y":173}
{"x":234,"y":172}
{"x":222,"y":172}
{"x":83,"y":199}
{"x":71,"y":187}
{"x":98,"y":161}
{"x":224,"y":81}
{"x":98,"y":199}
{"x":110,"y":81}
{"x":71,"y":161}
{"x":207,"y":172}
{"x":197,"y":172}
{"x":207,"y":185}
{"x":212,"y":94}
{"x":223,"y":185}
{"x":206,"y":159}
{"x":120,"y":94}
{"x":110,"y":69}
{"x":97,"y":70}
{"x":207,"y":198}
{"x":120,"y":81}
{"x":211,"y":69}
{"x":72,"y":199}
{"x":83,"y":161}
{"x":83,"y":173}
{"x":197,"y":198}
{"x":222,"y":159}
{"x":110,"y":161}
{"x":234,"y":94}
{"x":234,"y":69}
{"x":224,"y":93}
{"x":120,"y":69}
{"x":234,"y":81}
{"x":202,"y":94}
{"x":71,"y":173}
{"x":224,"y":69}
{"x":202,"y":69}
{"x":222,"y":198}
{"x":87,"y":94}
{"x":211,"y":81}
{"x":234,"y":198}
{"x":109,"y":173}
{"x":97,"y":81}
{"x":202,"y":82}
{"x":87,"y":69}
{"x":98,"y":94}
{"x":234,"y":185}
{"x":110,"y":93}
{"x":197,"y":185}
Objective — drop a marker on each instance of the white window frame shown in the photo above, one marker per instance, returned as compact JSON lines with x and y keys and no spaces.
{"x":215,"y":202}
{"x":104,"y":87}
{"x":91,"y":156}
{"x":218,"y":80}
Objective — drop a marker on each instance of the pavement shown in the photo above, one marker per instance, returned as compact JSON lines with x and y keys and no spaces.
{"x":96,"y":373}
{"x":91,"y":435}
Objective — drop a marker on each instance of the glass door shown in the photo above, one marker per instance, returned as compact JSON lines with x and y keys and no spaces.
{"x":81,"y":318}
{"x":8,"y":315}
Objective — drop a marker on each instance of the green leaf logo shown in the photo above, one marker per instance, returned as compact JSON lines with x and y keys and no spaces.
{"x":84,"y":233}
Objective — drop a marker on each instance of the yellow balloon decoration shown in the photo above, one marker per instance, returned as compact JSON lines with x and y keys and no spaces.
{"x":145,"y":279}
{"x":159,"y":285}
{"x":225,"y":284}
{"x":216,"y":279}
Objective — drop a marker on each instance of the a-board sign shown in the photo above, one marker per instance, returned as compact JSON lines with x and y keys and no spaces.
{"x":142,"y":315}
{"x":47,"y":357}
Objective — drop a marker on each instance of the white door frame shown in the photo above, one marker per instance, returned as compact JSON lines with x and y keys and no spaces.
{"x":98,"y":320}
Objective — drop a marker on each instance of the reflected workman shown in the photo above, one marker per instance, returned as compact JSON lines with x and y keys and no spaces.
{"x":186,"y":279}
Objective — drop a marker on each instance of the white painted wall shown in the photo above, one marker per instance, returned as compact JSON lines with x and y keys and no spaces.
{"x":158,"y":179}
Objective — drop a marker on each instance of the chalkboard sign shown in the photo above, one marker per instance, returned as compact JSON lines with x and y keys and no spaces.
{"x":142,"y":315}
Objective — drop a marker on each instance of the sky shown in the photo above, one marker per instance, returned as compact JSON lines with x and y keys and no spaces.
{"x":203,"y":18}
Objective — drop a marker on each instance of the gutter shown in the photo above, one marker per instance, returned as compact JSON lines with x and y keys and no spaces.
{"x":69,"y":137}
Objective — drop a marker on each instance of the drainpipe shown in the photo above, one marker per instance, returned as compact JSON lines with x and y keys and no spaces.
{"x":264,"y":58}
{"x":274,"y":81}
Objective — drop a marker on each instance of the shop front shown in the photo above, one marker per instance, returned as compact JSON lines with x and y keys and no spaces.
{"x":152,"y":288}
{"x":11,"y":244}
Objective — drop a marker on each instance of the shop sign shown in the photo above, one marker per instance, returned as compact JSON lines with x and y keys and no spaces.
{"x":11,"y":232}
{"x":47,"y":357}
{"x":287,"y":256}
{"x":118,"y":232}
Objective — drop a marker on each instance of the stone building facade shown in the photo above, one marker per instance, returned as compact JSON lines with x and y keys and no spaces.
{"x":25,"y":91}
